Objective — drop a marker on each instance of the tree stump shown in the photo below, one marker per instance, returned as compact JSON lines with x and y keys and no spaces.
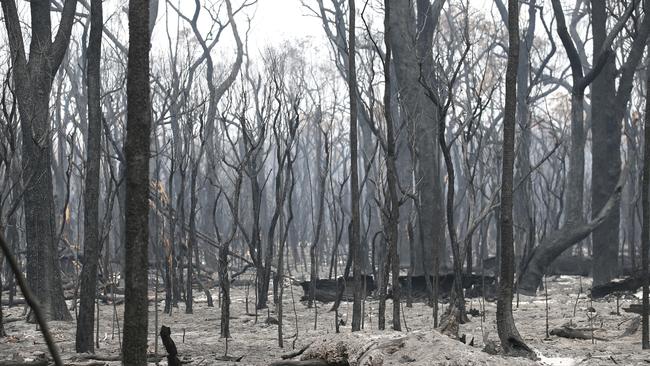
{"x":170,"y":346}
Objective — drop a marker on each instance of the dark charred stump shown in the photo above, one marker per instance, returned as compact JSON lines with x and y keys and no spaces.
{"x":170,"y":346}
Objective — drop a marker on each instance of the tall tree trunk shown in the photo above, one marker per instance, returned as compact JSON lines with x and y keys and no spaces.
{"x":354,"y":228}
{"x":645,"y":231}
{"x":524,"y":210}
{"x":92,"y":246}
{"x":606,"y":151}
{"x":192,"y":242}
{"x":323,"y":171}
{"x":411,"y":40}
{"x":34,"y":80}
{"x":511,"y":341}
{"x":136,"y":148}
{"x":392,"y":179}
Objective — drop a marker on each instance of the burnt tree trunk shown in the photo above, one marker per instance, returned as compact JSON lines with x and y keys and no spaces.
{"x":511,"y":341}
{"x":170,"y":346}
{"x":136,"y":148}
{"x":34,"y":75}
{"x":354,"y":233}
{"x":606,"y":154}
{"x":92,"y":245}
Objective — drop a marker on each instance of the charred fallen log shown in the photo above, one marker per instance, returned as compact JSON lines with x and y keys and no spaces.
{"x":473,"y":284}
{"x":630,"y":284}
{"x":326,"y":289}
{"x":634,"y":308}
{"x":566,"y":331}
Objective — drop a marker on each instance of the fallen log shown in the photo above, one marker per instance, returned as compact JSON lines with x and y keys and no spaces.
{"x":326,"y":289}
{"x":295,"y":353}
{"x":574,"y":333}
{"x":634,"y":308}
{"x":21,"y":301}
{"x":472,"y":283}
{"x":37,"y":362}
{"x":627,"y":285}
{"x":12,"y":320}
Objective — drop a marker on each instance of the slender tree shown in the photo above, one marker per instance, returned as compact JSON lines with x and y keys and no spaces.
{"x":92,"y":245}
{"x":511,"y":341}
{"x":392,"y":178}
{"x":354,"y":228}
{"x":136,"y":148}
{"x":645,"y":231}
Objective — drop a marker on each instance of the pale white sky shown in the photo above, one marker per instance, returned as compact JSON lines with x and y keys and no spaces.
{"x":276,"y":21}
{"x":279,"y":20}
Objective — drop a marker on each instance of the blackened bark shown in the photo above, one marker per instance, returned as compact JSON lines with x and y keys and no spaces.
{"x":92,"y":245}
{"x":192,"y":242}
{"x":392,"y":180}
{"x":411,"y":41}
{"x":34,"y":80}
{"x":170,"y":346}
{"x":136,"y":148}
{"x":224,"y":285}
{"x":323,"y":171}
{"x":606,"y":155}
{"x":511,"y":341}
{"x":524,"y":209}
{"x":391,"y":221}
{"x":354,"y":234}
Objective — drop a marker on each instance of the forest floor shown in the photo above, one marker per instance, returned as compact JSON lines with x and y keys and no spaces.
{"x":197,"y":335}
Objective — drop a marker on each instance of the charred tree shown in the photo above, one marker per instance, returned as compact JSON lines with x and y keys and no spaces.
{"x":92,"y":244}
{"x":136,"y":149}
{"x":576,"y":227}
{"x":511,"y":341}
{"x":412,"y":48}
{"x":354,"y":228}
{"x":34,"y":75}
{"x":606,"y":153}
{"x":323,"y":172}
{"x":390,"y":211}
